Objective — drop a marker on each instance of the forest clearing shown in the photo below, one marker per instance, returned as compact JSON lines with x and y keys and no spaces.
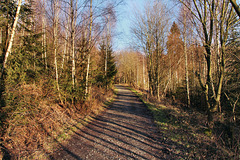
{"x":119,"y":79}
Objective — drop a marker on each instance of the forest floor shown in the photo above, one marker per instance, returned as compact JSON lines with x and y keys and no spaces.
{"x":126,"y":130}
{"x":186,"y":129}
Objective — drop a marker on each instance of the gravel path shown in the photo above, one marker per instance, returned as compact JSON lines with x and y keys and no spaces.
{"x":125,"y":131}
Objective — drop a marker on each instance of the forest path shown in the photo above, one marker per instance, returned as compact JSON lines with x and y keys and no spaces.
{"x":124,"y":131}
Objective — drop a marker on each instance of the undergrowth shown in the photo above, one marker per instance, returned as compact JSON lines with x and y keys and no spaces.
{"x":36,"y":124}
{"x":186,"y":131}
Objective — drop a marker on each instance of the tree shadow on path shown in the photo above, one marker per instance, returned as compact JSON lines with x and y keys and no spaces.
{"x":124,"y":131}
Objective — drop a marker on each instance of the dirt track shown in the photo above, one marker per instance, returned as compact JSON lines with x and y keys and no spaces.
{"x":125,"y":131}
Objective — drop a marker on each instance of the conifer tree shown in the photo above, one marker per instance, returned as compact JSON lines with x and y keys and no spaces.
{"x":102,"y":79}
{"x":175,"y":49}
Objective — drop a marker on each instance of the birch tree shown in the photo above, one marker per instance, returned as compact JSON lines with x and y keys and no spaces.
{"x":149,"y":31}
{"x":89,"y":49}
{"x":12,"y":36}
{"x":73,"y":22}
{"x":44,"y":44}
{"x":107,"y":44}
{"x":55,"y":6}
{"x":66,"y":38}
{"x":184,"y":10}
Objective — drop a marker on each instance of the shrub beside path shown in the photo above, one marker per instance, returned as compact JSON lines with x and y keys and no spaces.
{"x":126,"y":130}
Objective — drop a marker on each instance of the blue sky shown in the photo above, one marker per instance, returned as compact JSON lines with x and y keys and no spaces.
{"x":125,"y":14}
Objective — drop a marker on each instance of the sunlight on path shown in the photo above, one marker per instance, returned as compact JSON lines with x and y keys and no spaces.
{"x":125,"y":131}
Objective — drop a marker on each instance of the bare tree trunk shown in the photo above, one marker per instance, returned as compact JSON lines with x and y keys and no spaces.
{"x":158,"y":70}
{"x":107,"y":44}
{"x":12,"y":36}
{"x":106,"y":55}
{"x":44,"y":35}
{"x":207,"y":21}
{"x":143,"y":73}
{"x":43,"y":25}
{"x":65,"y":44}
{"x":32,"y":29}
{"x":55,"y":38}
{"x":186,"y":58}
{"x":137,"y":70}
{"x":148,"y":85}
{"x":90,"y":43}
{"x":170,"y":73}
{"x":87,"y":75}
{"x":223,"y":39}
{"x":73,"y":42}
{"x":193,"y":57}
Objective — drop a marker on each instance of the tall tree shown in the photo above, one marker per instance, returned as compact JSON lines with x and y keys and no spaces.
{"x":66,"y":42}
{"x":73,"y":23}
{"x":55,"y":4}
{"x":185,"y":53}
{"x":106,"y":77}
{"x":205,"y":14}
{"x":149,"y":31}
{"x":89,"y":47}
{"x":175,"y":51}
{"x":44,"y":44}
{"x":12,"y":36}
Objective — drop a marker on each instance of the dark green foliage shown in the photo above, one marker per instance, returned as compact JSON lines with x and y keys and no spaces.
{"x":68,"y":93}
{"x":17,"y":72}
{"x":29,"y":93}
{"x":7,"y":13}
{"x":104,"y":79}
{"x":8,"y":10}
{"x":23,"y":70}
{"x":22,"y":62}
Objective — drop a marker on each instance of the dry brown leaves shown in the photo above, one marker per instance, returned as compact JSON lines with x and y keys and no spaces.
{"x":37,"y":126}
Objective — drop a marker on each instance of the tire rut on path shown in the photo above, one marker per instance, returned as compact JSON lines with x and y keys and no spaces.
{"x":124,"y":131}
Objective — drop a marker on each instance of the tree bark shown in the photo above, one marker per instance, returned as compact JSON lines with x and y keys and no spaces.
{"x":106,"y":55}
{"x":55,"y":39}
{"x":186,"y":58}
{"x":65,"y":44}
{"x":73,"y":42}
{"x":12,"y":36}
{"x":44,"y":44}
{"x":223,"y":40}
{"x":89,"y":47}
{"x":143,"y":75}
